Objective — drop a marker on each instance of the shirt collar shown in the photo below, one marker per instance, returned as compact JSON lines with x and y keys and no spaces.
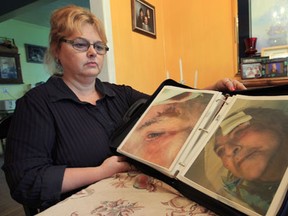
{"x":58,"y":90}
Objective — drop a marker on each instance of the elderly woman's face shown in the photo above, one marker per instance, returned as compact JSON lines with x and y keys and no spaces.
{"x":248,"y":153}
{"x":81,"y":64}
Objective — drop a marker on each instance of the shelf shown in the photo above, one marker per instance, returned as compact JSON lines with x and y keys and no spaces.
{"x":261,"y":82}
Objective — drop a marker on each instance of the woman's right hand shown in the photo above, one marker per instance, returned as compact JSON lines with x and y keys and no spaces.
{"x":78,"y":177}
{"x":115,"y":164}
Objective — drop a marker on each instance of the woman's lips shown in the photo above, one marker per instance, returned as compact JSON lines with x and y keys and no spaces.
{"x":92,"y":64}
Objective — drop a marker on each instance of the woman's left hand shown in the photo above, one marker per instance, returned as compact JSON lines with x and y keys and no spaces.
{"x":227,"y":84}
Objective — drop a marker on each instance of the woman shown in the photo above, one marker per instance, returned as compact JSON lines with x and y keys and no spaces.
{"x":150,"y":20}
{"x":59,"y":136}
{"x":140,"y":18}
{"x":253,"y":148}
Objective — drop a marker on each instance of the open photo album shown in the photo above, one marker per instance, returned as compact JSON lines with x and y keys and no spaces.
{"x":230,"y":148}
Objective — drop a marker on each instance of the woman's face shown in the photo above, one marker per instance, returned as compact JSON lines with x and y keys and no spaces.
{"x":249,"y":153}
{"x":77,"y":64}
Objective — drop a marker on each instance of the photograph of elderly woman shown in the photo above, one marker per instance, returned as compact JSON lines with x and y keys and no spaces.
{"x":246,"y":158}
{"x":164,"y":128}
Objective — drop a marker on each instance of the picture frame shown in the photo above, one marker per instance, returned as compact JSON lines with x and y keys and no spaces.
{"x":10,"y":69}
{"x":275,"y":52}
{"x":34,"y":53}
{"x":265,"y":68}
{"x":251,"y":70}
{"x":254,"y":59}
{"x":143,"y":18}
{"x":276,"y":68}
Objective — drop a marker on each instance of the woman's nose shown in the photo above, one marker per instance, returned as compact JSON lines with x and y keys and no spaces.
{"x":91,"y":52}
{"x":232,"y":150}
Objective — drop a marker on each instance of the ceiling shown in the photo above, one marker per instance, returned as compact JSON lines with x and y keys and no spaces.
{"x":38,"y":13}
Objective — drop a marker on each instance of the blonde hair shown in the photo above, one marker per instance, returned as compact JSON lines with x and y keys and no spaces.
{"x":64,"y":22}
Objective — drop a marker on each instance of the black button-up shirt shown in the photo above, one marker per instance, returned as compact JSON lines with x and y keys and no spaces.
{"x":52,"y":129}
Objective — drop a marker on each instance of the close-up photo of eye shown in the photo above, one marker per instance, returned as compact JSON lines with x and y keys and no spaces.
{"x":154,"y":135}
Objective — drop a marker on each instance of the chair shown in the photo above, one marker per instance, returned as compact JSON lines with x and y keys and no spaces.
{"x":4,"y":127}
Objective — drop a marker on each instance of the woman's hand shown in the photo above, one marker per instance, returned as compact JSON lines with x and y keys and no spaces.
{"x":227,"y":84}
{"x":78,"y":177}
{"x":115,"y":164}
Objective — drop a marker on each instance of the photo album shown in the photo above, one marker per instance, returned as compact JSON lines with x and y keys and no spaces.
{"x":232,"y":148}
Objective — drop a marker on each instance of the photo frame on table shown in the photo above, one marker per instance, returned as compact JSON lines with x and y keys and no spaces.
{"x":35,"y":54}
{"x":10,"y":69}
{"x":143,"y":18}
{"x":275,"y":52}
{"x":276,"y":68}
{"x":254,"y":59}
{"x":251,"y":70}
{"x":265,"y":68}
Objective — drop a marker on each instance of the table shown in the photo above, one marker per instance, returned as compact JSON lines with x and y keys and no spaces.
{"x":132,"y":193}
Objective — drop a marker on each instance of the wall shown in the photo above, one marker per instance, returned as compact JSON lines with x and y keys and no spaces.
{"x":32,"y":73}
{"x":139,"y":60}
{"x":200,"y":32}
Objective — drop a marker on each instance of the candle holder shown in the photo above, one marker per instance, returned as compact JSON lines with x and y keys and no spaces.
{"x":250,"y":45}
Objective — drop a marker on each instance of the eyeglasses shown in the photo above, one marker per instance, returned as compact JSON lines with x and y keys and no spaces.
{"x":81,"y":44}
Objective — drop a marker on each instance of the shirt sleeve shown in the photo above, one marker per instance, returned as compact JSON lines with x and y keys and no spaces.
{"x":28,"y":163}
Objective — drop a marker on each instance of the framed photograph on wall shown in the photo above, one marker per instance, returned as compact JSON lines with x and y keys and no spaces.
{"x":10,"y":70}
{"x":143,"y":18}
{"x":35,"y":54}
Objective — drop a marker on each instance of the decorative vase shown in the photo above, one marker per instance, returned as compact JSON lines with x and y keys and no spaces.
{"x":250,"y":45}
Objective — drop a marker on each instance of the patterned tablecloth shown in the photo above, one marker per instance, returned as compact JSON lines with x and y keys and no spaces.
{"x":126,"y":194}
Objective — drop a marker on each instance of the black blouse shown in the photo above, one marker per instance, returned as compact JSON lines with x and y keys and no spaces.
{"x":51,"y":130}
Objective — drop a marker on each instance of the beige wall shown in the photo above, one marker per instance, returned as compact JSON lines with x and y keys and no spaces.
{"x":200,"y":32}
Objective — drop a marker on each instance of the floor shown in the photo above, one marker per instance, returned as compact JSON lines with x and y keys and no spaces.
{"x":8,"y":207}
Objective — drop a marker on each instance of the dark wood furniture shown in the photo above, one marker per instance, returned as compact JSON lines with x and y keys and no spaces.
{"x":263,"y":82}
